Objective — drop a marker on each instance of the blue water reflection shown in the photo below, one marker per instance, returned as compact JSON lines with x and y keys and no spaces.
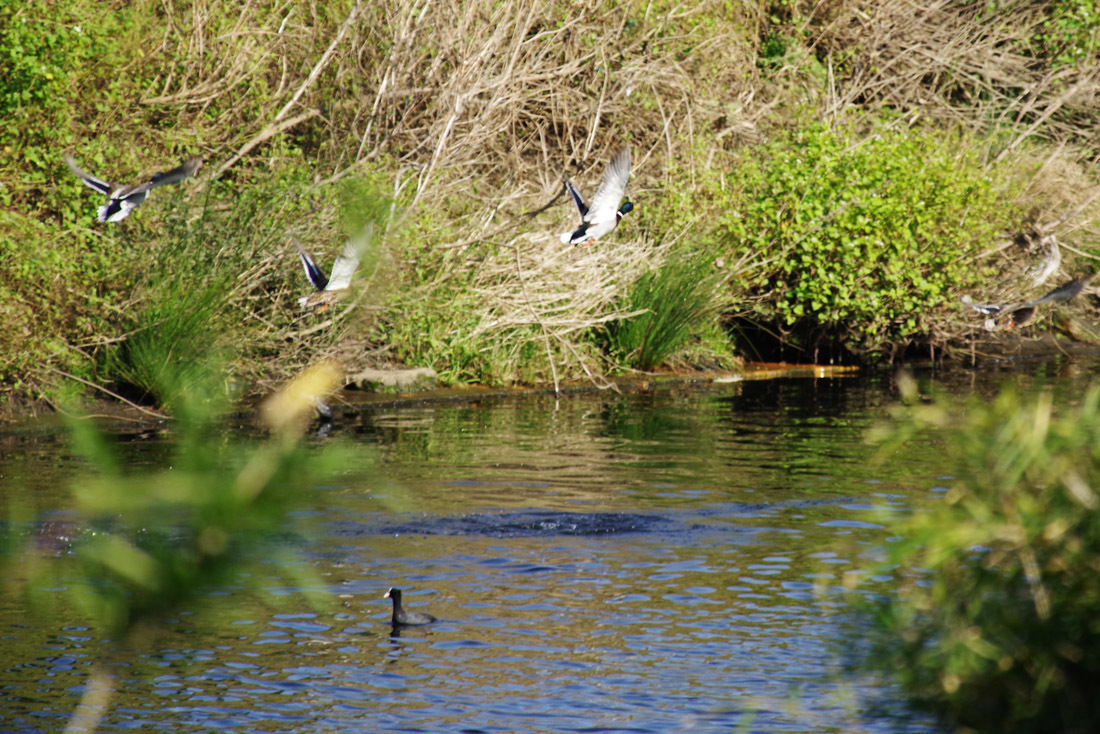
{"x":642,"y":563}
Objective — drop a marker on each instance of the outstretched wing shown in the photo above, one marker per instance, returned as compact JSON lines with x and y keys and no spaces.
{"x":348,"y":259}
{"x":177,"y":174}
{"x":605,"y":203}
{"x":988,"y":309}
{"x":581,"y":206}
{"x":1064,"y":292}
{"x":316,"y":276}
{"x":89,"y":180}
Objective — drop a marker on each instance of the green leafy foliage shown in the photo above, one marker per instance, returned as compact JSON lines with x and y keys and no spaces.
{"x":55,"y":293}
{"x":862,"y":236}
{"x":48,"y":57}
{"x":167,"y":534}
{"x":678,"y":300}
{"x":1071,"y":34}
{"x":994,"y":625}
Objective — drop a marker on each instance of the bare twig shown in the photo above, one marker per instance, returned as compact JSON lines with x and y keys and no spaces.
{"x":104,"y":390}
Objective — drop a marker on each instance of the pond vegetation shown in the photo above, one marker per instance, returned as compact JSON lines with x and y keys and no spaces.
{"x":844,"y":185}
{"x":834,"y":176}
{"x":991,"y":622}
{"x":146,"y":542}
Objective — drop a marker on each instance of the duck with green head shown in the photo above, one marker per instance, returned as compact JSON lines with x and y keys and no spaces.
{"x":605,"y":213}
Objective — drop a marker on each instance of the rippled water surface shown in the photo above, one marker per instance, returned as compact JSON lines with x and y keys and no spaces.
{"x":613,"y":563}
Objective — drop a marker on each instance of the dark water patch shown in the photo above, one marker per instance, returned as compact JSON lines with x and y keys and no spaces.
{"x":533,"y":524}
{"x":555,"y":523}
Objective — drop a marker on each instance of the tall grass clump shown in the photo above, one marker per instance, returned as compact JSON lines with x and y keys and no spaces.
{"x":178,"y":325}
{"x":213,"y":279}
{"x":177,"y":340}
{"x":864,"y":237}
{"x":672,"y":303}
{"x":993,"y":625}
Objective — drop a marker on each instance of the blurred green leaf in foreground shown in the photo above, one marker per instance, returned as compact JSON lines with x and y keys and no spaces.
{"x":994,"y":624}
{"x":151,"y":540}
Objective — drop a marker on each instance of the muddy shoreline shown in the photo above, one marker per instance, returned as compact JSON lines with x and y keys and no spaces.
{"x":1004,"y":350}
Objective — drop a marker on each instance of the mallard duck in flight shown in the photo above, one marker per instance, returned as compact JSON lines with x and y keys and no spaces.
{"x":121,"y":198}
{"x":604,"y":214}
{"x":1026,"y":312}
{"x":326,"y":287}
{"x":1022,"y":313}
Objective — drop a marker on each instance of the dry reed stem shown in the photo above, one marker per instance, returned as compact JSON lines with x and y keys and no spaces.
{"x":508,"y":88}
{"x":962,"y":63}
{"x":539,"y":289}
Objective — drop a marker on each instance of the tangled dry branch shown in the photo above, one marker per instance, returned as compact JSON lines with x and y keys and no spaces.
{"x":972,"y":64}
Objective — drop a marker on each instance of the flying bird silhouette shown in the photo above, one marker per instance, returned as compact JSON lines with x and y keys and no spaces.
{"x":328,"y":287}
{"x":604,"y":214}
{"x":122,"y":198}
{"x":1026,"y":312}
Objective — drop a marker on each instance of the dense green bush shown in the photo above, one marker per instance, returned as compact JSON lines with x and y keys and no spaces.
{"x":863,"y":236}
{"x":1071,"y":34}
{"x":994,"y":625}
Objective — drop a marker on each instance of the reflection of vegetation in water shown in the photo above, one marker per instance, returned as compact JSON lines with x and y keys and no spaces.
{"x":727,"y":440}
{"x":993,"y":626}
{"x":154,"y":539}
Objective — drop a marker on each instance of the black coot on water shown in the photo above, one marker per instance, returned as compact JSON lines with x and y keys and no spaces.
{"x":402,"y":618}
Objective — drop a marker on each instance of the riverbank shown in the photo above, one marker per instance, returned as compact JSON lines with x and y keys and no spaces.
{"x":394,"y":388}
{"x":805,"y":184}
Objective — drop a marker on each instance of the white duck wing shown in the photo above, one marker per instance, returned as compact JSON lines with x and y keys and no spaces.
{"x":987,"y":309}
{"x":118,"y":209}
{"x":89,"y":180}
{"x":348,"y":259}
{"x":605,"y":203}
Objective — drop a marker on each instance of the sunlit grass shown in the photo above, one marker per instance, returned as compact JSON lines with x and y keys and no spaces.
{"x":677,"y":301}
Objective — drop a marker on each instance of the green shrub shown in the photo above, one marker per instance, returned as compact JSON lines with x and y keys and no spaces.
{"x":678,"y":301}
{"x":994,"y":623}
{"x":865,"y":238}
{"x":1071,"y":33}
